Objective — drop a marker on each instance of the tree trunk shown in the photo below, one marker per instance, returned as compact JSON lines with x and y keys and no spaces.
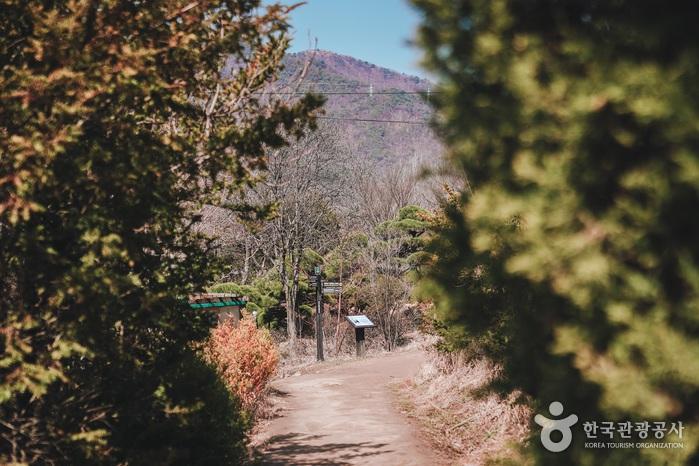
{"x":290,"y":302}
{"x":295,"y":272}
{"x":339,"y":308}
{"x":246,"y":263}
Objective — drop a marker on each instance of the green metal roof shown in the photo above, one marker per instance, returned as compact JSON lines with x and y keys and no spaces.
{"x":218,"y":304}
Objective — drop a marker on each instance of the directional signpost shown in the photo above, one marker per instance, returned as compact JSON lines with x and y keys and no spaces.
{"x":319,"y":313}
{"x":331,"y":287}
{"x":322,"y":287}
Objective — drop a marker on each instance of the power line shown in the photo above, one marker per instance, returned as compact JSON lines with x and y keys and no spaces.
{"x":353,"y":93}
{"x":334,"y":83}
{"x":374,"y":120}
{"x":350,"y":84}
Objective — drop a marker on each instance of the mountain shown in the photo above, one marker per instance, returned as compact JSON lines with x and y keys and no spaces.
{"x":348,"y":70}
{"x":347,"y":84}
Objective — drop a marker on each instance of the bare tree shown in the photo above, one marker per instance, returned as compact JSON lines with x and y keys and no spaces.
{"x":386,"y":290}
{"x":302,"y":182}
{"x":378,"y":192}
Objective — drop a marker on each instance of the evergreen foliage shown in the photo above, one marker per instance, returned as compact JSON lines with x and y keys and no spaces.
{"x":114,"y":123}
{"x":574,"y":259}
{"x":263,"y":296}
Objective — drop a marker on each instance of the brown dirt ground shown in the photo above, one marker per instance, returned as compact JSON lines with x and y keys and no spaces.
{"x":344,"y":414}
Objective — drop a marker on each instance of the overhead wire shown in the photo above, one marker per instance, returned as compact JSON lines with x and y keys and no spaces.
{"x":373,"y":120}
{"x":371,"y":92}
{"x":352,"y":93}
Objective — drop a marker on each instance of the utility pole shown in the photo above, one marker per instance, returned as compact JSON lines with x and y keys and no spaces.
{"x":319,"y":314}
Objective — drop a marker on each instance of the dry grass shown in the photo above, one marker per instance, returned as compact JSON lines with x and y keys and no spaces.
{"x":304,"y":354}
{"x":465,"y":421}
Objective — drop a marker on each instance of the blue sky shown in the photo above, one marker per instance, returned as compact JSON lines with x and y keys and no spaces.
{"x":377,"y":31}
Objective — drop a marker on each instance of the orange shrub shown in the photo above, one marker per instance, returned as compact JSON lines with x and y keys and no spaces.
{"x":245,"y":358}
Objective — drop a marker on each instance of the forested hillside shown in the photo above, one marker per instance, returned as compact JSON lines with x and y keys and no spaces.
{"x":356,"y":89}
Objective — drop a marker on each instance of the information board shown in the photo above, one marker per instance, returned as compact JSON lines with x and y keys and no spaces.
{"x":360,"y":321}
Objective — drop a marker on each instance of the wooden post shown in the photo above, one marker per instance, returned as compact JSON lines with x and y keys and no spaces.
{"x":360,"y":322}
{"x":359,"y":337}
{"x":319,"y":315}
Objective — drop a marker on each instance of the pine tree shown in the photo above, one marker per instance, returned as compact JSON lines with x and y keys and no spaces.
{"x":115,"y":122}
{"x":574,"y":259}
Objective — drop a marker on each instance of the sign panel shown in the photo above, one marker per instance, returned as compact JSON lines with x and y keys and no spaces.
{"x":360,"y":321}
{"x":332,"y":287}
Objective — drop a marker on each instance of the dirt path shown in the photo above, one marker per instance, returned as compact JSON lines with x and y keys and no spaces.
{"x":345,"y":414}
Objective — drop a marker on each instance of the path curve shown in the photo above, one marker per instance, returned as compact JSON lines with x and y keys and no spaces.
{"x":345,"y":414}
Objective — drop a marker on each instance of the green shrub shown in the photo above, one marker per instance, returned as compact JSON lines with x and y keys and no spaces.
{"x":105,"y":149}
{"x":263,"y":297}
{"x":571,"y":250}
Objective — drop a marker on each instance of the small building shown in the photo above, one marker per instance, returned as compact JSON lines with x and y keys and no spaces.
{"x":227,"y":306}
